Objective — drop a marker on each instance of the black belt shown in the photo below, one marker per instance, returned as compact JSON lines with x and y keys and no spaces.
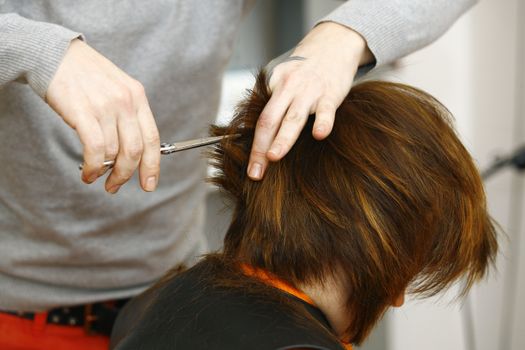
{"x":96,"y":318}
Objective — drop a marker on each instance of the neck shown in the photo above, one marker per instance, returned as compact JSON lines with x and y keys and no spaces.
{"x":330,"y":298}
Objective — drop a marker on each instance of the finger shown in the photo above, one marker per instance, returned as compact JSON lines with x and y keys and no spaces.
{"x":324,"y":118}
{"x":291,"y":127}
{"x":130,"y":152}
{"x":109,"y":129}
{"x":267,"y":125}
{"x":108,"y":125}
{"x":92,"y":139}
{"x":149,"y":170}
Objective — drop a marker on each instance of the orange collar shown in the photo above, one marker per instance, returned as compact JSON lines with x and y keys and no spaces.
{"x":278,"y":283}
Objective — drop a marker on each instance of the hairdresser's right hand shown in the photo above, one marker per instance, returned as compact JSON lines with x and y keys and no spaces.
{"x":110,"y":112}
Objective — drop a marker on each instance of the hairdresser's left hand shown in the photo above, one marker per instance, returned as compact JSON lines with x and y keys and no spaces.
{"x":314,"y":79}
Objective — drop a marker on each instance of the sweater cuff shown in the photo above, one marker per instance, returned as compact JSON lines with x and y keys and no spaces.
{"x":373,"y":24}
{"x":33,"y":50}
{"x":395,"y":28}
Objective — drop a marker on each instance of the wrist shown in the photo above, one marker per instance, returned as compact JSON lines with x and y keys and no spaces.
{"x":348,"y":42}
{"x":357,"y":43}
{"x":37,"y":50}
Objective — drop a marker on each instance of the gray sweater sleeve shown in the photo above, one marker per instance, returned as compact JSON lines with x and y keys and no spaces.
{"x":395,"y":28}
{"x":31,"y":51}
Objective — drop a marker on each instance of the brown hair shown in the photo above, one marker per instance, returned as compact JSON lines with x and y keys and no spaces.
{"x":391,"y":199}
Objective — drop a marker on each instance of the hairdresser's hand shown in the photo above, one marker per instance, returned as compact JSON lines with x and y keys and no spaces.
{"x":313,"y":80}
{"x":110,"y":112}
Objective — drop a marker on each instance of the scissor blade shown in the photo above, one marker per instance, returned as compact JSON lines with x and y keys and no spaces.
{"x":184,"y":145}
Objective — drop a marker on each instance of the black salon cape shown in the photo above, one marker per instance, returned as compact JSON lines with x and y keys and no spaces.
{"x":184,"y":314}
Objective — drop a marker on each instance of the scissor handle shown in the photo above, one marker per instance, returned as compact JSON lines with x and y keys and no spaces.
{"x":107,"y":163}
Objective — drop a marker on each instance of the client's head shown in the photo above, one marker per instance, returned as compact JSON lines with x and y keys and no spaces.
{"x":389,"y":201}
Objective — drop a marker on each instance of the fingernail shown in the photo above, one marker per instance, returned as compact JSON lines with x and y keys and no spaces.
{"x":114,"y":189}
{"x":151,"y":183}
{"x":275,"y":150}
{"x":255,"y":171}
{"x":92,"y":178}
{"x":319,"y":130}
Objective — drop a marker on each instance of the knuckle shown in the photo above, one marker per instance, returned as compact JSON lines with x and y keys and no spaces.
{"x":102,"y":104}
{"x":134,"y":151}
{"x":111,"y":151}
{"x":122,"y":96}
{"x":293,"y":116}
{"x":95,"y":146}
{"x":258,"y":154}
{"x":152,"y":139}
{"x":325,"y":110}
{"x":323,"y":113}
{"x":151,"y":167}
{"x":287,"y":80}
{"x":284,"y":141}
{"x":325,"y":106}
{"x":119,"y":176}
{"x":265,"y":121}
{"x":137,"y":89}
{"x":278,"y":70}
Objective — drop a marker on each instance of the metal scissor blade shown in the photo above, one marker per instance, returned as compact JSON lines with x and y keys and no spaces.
{"x":167,"y":148}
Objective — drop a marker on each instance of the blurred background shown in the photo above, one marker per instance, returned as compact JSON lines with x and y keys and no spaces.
{"x":476,"y":70}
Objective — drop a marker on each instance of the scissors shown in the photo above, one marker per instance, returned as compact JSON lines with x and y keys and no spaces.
{"x":168,"y":148}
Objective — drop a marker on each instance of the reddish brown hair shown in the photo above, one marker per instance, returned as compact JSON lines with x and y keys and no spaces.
{"x":391,"y":199}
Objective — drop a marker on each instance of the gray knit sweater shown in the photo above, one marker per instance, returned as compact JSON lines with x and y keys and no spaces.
{"x":63,"y":242}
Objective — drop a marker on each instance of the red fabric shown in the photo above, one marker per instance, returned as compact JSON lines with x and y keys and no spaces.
{"x":20,"y":334}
